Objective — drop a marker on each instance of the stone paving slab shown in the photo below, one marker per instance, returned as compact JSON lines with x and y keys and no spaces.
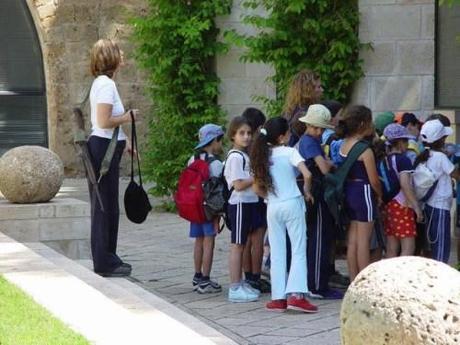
{"x":161,"y":254}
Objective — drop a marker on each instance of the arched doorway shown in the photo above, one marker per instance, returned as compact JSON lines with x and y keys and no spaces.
{"x":23,"y":112}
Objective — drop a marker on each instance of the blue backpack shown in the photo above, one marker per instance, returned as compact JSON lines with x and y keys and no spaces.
{"x":388,"y":175}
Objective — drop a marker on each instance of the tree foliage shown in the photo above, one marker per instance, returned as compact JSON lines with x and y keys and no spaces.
{"x":321,"y":35}
{"x":176,"y":45}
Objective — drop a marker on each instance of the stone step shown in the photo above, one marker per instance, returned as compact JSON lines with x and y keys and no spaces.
{"x":105,"y":311}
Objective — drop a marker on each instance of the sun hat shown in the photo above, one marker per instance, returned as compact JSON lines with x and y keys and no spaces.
{"x":382,"y":120}
{"x":208,"y":133}
{"x":434,"y":130}
{"x":410,"y":118}
{"x":317,"y":115}
{"x":396,"y":131}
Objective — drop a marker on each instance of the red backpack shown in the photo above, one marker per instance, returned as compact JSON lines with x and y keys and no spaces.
{"x":189,"y":197}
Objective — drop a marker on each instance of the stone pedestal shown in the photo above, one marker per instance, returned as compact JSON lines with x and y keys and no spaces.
{"x":63,"y":224}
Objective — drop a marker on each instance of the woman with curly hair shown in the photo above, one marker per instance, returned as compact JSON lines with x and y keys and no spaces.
{"x":305,"y":89}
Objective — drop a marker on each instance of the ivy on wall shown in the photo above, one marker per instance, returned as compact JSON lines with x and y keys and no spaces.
{"x":176,"y":45}
{"x":321,"y":35}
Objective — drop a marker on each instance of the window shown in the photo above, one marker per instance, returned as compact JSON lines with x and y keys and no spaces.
{"x":447,"y":74}
{"x":23,"y":118}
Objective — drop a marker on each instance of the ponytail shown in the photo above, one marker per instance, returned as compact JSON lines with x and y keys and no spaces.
{"x":260,"y":155}
{"x":261,"y":149}
{"x":436,"y":146}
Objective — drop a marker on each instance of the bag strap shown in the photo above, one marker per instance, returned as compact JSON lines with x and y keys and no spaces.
{"x":105,"y":164}
{"x":230,"y":191}
{"x":352,"y":156}
{"x":134,"y":148}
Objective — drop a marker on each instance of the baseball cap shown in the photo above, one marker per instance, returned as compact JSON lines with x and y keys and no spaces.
{"x":434,"y":130}
{"x":396,"y":131}
{"x":317,"y":115}
{"x":208,"y":133}
{"x":382,"y":120}
{"x":409,"y":118}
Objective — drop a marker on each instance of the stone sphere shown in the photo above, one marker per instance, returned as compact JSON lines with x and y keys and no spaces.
{"x":402,"y":301}
{"x":30,"y":174}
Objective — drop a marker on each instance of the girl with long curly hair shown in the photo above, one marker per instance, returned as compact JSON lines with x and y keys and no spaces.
{"x":274,"y":169}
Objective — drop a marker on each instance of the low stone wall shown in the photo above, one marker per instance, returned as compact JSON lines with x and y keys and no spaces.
{"x":63,"y":224}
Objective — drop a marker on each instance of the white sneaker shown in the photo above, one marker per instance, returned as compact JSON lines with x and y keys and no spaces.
{"x":241,"y":295}
{"x":312,"y":295}
{"x":249,"y":288}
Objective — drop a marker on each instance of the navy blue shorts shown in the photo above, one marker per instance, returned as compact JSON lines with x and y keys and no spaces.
{"x":359,"y":201}
{"x":244,"y":218}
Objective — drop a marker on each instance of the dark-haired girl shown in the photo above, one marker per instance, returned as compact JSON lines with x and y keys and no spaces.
{"x":273,"y":165}
{"x":437,"y":207}
{"x":362,"y":187}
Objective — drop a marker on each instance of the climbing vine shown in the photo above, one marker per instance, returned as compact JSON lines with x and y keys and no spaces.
{"x":176,"y":45}
{"x":321,"y":35}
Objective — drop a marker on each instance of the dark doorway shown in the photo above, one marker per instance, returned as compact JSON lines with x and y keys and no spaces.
{"x":23,"y":111}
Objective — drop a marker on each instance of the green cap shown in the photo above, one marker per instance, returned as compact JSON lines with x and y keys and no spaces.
{"x":382,"y":120}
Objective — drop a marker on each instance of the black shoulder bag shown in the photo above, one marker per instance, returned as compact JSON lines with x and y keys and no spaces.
{"x":137,"y":204}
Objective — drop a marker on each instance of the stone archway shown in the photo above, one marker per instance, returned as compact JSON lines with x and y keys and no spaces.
{"x":23,"y":105}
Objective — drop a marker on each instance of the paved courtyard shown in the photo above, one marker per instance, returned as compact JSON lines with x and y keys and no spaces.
{"x":161,"y":254}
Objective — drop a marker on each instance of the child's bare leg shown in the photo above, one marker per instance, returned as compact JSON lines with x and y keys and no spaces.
{"x":247,"y":256}
{"x":208,"y":253}
{"x":392,"y":247}
{"x":257,"y":240}
{"x":236,"y":256}
{"x":364,"y":233}
{"x":407,"y":246}
{"x":198,"y":254}
{"x":352,"y":251}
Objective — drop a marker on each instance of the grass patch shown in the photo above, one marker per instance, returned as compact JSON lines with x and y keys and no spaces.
{"x":24,"y":322}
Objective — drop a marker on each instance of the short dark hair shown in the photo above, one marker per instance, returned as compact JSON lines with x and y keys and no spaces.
{"x":333,"y":106}
{"x":255,"y":117}
{"x":442,"y":118}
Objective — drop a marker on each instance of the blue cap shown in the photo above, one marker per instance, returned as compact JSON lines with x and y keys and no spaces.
{"x":208,"y":133}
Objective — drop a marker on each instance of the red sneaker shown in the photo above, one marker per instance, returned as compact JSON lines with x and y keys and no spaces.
{"x":278,"y":305}
{"x":301,"y":304}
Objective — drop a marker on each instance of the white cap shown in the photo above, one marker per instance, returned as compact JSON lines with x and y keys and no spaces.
{"x":317,"y":115}
{"x":434,"y":130}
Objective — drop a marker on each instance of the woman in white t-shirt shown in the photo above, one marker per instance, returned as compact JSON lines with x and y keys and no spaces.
{"x":107,"y":113}
{"x":438,"y":205}
{"x":274,"y":167}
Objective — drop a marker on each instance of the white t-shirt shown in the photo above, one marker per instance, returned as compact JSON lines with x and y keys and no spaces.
{"x":441,"y":167}
{"x":283,"y":163}
{"x":233,"y":170}
{"x":105,"y":91}
{"x":215,"y":168}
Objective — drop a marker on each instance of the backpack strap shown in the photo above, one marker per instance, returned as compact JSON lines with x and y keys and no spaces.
{"x":353,"y":156}
{"x":230,"y":191}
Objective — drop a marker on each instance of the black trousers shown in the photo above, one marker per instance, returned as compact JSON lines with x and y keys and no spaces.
{"x":104,"y":225}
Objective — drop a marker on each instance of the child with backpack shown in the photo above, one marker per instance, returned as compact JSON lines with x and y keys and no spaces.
{"x":401,"y":209}
{"x":204,"y":232}
{"x":243,"y":212}
{"x":440,"y":196}
{"x":320,"y":229}
{"x":362,"y":187}
{"x":254,"y":249}
{"x":274,"y":168}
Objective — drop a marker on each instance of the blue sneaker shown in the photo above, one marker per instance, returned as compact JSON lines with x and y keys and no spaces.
{"x":241,"y":295}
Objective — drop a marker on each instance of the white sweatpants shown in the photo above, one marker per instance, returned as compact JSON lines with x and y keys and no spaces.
{"x":290,"y":215}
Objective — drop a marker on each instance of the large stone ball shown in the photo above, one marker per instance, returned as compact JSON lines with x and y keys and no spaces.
{"x":30,"y":174}
{"x":402,"y":301}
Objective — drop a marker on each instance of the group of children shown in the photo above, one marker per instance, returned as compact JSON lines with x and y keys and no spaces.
{"x":275,"y":172}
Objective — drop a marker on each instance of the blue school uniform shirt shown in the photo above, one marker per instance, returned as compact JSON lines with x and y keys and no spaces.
{"x":310,"y":147}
